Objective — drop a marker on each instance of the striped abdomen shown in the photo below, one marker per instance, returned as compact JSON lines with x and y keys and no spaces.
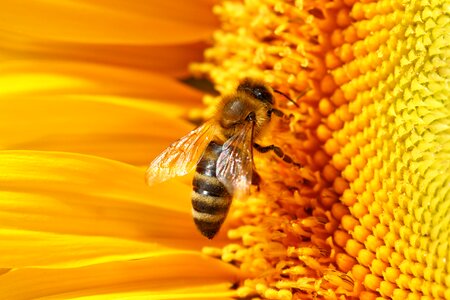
{"x":210,"y":199}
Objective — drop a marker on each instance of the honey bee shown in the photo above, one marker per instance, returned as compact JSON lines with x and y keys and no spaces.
{"x":220,"y":151}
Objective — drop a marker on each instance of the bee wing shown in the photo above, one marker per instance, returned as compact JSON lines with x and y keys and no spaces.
{"x":182,"y":156}
{"x":235,"y":164}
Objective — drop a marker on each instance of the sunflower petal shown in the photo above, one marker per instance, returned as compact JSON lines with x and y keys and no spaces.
{"x":37,"y":77}
{"x":171,"y":59}
{"x":65,"y":193}
{"x":210,"y":291}
{"x":168,"y":274}
{"x":113,"y":22}
{"x":120,"y":128}
{"x":25,"y":248}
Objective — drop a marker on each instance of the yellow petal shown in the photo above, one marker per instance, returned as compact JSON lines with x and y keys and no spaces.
{"x":82,"y":195}
{"x":166,"y":274}
{"x":25,"y":248}
{"x":171,"y":59}
{"x":120,"y":128}
{"x":211,"y":291}
{"x":34,"y":76}
{"x":109,"y":22}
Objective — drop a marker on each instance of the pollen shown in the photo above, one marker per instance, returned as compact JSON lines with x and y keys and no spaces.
{"x":367,"y":215}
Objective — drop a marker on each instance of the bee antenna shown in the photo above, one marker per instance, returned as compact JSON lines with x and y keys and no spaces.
{"x":286,"y":96}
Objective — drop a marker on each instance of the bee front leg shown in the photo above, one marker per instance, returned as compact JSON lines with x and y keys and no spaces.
{"x":256,"y":179}
{"x":279,"y":114}
{"x":276,"y":112}
{"x":277,"y":150}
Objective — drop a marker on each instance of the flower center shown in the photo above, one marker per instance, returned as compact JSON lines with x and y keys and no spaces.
{"x":367,"y":216}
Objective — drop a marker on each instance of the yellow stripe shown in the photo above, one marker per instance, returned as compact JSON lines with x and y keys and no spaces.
{"x":207,"y":217}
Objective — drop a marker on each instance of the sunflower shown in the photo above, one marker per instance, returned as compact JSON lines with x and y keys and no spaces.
{"x":90,"y":91}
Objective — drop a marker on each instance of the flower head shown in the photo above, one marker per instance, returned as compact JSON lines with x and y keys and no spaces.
{"x":367,"y":216}
{"x":83,"y":103}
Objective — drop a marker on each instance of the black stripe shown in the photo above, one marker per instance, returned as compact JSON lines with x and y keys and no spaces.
{"x":218,"y":205}
{"x":203,"y":187}
{"x":208,"y":229}
{"x":207,"y":165}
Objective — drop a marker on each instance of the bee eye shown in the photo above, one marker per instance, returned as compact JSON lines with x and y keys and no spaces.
{"x":251,"y":117}
{"x":262,"y":94}
{"x":256,"y":90}
{"x":258,"y":93}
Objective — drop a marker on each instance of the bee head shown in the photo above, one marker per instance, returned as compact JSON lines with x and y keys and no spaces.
{"x":251,"y":103}
{"x":256,"y":90}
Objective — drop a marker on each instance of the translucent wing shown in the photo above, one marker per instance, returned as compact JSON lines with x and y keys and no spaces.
{"x":235,"y":163}
{"x":182,"y":156}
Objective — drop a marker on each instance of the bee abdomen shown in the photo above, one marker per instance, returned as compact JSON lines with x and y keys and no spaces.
{"x":207,"y":228}
{"x":209,"y":213}
{"x":210,"y":199}
{"x":210,"y":204}
{"x":208,"y":186}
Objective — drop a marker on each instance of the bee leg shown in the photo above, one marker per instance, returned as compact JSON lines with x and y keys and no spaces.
{"x":275,"y":112}
{"x":256,"y":179}
{"x":278,"y":113}
{"x":277,"y":150}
